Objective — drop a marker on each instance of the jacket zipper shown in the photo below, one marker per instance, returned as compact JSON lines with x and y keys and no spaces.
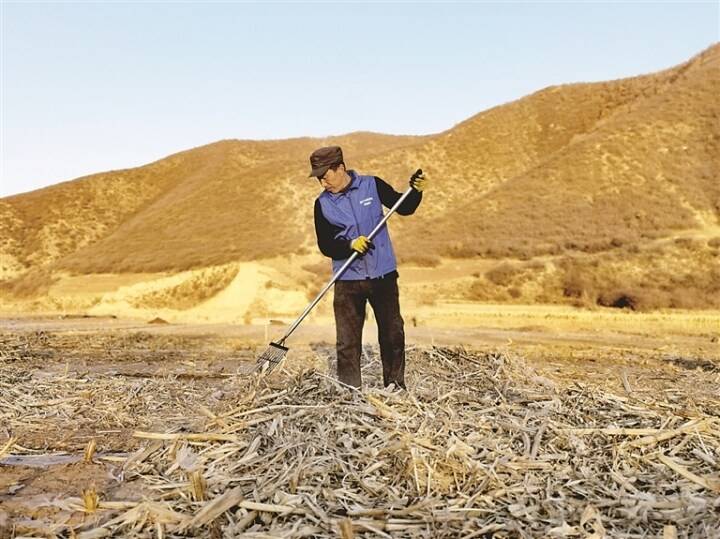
{"x":357,"y":225}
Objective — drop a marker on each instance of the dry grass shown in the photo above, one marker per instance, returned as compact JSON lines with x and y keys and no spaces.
{"x":680,"y":274}
{"x":482,"y":444}
{"x":32,"y":283}
{"x":567,"y":321}
{"x":194,"y":290}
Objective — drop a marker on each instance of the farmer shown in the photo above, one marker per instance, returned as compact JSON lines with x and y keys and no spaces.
{"x":345,"y":212}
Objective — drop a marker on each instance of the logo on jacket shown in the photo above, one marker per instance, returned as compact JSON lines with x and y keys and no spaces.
{"x":366,"y":201}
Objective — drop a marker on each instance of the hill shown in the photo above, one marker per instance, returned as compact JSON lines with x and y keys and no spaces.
{"x":588,"y":193}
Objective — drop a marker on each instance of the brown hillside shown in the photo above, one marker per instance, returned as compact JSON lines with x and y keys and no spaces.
{"x":643,"y":173}
{"x":137,"y":217}
{"x":42,"y":226}
{"x":569,"y":171}
{"x":228,"y":210}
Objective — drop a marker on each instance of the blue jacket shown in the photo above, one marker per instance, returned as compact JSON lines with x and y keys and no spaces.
{"x":342,"y":217}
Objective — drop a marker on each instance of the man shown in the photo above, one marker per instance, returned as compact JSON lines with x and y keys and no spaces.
{"x":345,"y":213}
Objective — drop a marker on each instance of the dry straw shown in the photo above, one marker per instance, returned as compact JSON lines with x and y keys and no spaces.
{"x":481,"y":446}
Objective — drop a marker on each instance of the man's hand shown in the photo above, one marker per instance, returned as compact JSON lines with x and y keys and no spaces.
{"x":361,"y":245}
{"x":419,"y":183}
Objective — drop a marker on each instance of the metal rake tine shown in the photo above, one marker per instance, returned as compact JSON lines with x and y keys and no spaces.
{"x":271,"y":357}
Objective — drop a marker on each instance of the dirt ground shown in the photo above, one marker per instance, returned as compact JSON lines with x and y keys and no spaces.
{"x":104,"y":379}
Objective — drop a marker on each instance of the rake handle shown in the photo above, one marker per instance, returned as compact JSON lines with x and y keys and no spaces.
{"x":349,"y":261}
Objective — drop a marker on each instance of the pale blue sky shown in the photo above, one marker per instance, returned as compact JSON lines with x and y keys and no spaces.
{"x":95,"y":86}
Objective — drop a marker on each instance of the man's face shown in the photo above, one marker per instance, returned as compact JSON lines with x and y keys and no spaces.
{"x":336,"y":180}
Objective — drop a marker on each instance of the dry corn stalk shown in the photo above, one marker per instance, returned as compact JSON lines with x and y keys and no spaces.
{"x":8,"y":446}
{"x":477,"y":446}
{"x":346,"y":529}
{"x":198,"y":485}
{"x":89,"y":451}
{"x":90,"y":499}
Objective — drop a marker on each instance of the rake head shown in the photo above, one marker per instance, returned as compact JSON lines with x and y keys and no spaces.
{"x":271,"y":357}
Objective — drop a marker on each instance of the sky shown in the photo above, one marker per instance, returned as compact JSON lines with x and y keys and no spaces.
{"x":87,"y":87}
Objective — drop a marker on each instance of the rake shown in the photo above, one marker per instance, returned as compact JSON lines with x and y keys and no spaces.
{"x":276,"y":352}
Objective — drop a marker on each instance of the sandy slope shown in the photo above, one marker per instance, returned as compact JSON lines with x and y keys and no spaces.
{"x":166,"y":295}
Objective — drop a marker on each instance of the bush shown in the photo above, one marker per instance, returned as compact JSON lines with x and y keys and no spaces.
{"x":423,"y":261}
{"x":576,"y":284}
{"x":187,"y":294}
{"x":478,"y":291}
{"x":689,"y":243}
{"x":620,"y":300}
{"x":502,"y":274}
{"x":318,"y":268}
{"x":460,"y":250}
{"x":537,"y":265}
{"x":32,"y":283}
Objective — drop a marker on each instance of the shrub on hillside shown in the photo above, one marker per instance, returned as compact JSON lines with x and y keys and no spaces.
{"x":313,"y":289}
{"x":577,"y":283}
{"x":536,"y":265}
{"x":318,"y":268}
{"x":32,"y":283}
{"x":423,"y":261}
{"x":191,"y":292}
{"x":690,"y":298}
{"x":502,"y":274}
{"x":622,"y":299}
{"x":458,"y":249}
{"x":645,"y":298}
{"x":689,"y":243}
{"x":480,"y":290}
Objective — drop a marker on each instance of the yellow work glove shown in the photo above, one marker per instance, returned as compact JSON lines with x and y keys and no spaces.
{"x":419,"y":183}
{"x":361,"y":244}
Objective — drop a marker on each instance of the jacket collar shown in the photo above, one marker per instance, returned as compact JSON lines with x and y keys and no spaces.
{"x":354,"y":184}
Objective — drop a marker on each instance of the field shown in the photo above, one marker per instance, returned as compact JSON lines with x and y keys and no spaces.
{"x":560,"y":284}
{"x":518,"y":422}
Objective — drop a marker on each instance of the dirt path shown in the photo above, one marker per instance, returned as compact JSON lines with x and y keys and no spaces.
{"x":700,"y":344}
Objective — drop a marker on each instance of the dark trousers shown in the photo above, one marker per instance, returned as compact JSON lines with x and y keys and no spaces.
{"x":349,"y":305}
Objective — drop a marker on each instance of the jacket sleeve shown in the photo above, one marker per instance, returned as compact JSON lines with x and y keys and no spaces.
{"x":388,"y":197}
{"x":335,"y":248}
